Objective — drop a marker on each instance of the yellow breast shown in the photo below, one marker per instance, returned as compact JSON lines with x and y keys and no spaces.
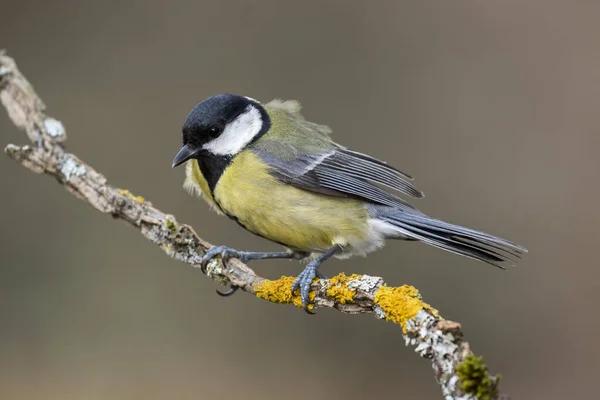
{"x":299,"y":219}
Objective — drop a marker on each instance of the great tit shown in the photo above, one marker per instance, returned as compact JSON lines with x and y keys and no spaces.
{"x":281,"y":177}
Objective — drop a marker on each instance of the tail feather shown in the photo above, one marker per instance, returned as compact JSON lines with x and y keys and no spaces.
{"x":454,"y":238}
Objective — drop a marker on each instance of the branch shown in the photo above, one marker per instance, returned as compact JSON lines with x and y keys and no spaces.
{"x":460,"y":374}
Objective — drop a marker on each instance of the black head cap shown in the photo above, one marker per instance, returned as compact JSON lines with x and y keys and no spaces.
{"x":210,"y":118}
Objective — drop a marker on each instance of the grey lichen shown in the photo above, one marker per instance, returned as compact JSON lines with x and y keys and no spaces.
{"x":365,"y":283}
{"x":214,"y":268}
{"x":379,"y":313}
{"x":70,"y":168}
{"x":431,"y":342}
{"x":54,"y":128}
{"x":167,"y":236}
{"x":452,"y":383}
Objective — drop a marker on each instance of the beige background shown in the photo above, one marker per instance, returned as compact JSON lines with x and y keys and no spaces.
{"x":492,"y":105}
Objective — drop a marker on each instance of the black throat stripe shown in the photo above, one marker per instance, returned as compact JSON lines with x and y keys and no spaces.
{"x":212,"y":167}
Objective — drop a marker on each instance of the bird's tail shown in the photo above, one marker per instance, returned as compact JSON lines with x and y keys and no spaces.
{"x":456,"y":239}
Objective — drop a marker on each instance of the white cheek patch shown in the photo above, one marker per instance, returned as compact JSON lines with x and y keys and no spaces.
{"x":237,"y":134}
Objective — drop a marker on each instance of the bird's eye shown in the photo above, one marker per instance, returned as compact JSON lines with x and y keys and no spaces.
{"x":214,"y":131}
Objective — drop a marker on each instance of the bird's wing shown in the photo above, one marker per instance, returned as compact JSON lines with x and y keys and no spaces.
{"x":302,"y":154}
{"x":364,"y":167}
{"x":341,"y":172}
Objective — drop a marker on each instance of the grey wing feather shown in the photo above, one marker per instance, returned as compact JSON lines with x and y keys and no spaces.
{"x":357,"y":187}
{"x":362,"y":166}
{"x":343,"y":173}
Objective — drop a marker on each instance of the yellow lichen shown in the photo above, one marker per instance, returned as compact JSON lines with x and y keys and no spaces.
{"x":125,"y":192}
{"x":280,"y":291}
{"x":339,"y":289}
{"x":401,"y":303}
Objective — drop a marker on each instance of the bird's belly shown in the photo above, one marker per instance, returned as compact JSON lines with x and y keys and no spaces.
{"x":298,"y":219}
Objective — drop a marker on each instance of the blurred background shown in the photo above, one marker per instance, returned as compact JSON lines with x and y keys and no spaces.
{"x":492,"y":106}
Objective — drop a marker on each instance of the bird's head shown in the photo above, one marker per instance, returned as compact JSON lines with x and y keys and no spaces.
{"x":222,"y":125}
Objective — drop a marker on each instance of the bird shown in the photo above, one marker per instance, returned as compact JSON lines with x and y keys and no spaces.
{"x":283,"y":178}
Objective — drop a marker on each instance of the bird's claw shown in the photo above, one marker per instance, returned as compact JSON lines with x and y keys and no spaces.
{"x":303,"y":282}
{"x":226,"y":253}
{"x":228,"y":292}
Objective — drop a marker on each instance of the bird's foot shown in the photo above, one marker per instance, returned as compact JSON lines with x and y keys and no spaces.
{"x":226,"y":253}
{"x":304,"y":280}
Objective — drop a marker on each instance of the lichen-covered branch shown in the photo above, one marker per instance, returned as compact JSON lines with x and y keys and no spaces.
{"x":460,"y":374}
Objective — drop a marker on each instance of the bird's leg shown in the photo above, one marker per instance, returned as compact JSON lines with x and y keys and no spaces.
{"x":311,"y":271}
{"x":244,"y":256}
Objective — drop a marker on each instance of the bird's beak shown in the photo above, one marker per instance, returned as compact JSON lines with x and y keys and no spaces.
{"x":184,"y":154}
